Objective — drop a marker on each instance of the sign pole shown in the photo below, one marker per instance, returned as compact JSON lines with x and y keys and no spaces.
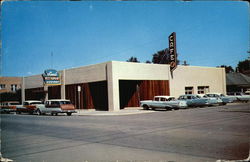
{"x":79,"y":96}
{"x":172,"y":52}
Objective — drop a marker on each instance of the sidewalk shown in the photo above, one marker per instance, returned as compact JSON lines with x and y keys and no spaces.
{"x":126,"y":111}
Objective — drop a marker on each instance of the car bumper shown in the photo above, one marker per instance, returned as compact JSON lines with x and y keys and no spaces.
{"x":68,"y":111}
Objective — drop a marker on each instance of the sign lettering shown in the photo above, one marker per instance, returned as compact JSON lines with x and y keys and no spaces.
{"x":172,"y":51}
{"x":51,"y":77}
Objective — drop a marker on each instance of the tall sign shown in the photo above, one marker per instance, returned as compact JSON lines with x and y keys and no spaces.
{"x":51,"y":77}
{"x":172,"y":51}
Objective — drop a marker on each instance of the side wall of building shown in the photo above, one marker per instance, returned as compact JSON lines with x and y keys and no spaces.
{"x":85,"y":74}
{"x":191,"y":76}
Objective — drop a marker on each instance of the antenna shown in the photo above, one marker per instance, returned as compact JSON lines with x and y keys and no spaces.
{"x":51,"y":60}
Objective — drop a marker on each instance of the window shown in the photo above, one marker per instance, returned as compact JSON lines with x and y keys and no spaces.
{"x":203,"y":89}
{"x":189,"y":90}
{"x":13,"y":87}
{"x":157,"y":99}
{"x":163,"y":99}
{"x":2,"y":86}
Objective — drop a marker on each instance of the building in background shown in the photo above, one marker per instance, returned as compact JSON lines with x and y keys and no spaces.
{"x":237,"y":82}
{"x":10,"y":84}
{"x":114,"y":85}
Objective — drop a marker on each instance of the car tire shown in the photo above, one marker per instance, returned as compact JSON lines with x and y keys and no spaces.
{"x":69,"y":113}
{"x":38,"y":111}
{"x":145,"y":107}
{"x":18,"y":112}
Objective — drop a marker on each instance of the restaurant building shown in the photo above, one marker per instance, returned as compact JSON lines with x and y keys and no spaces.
{"x":114,"y":85}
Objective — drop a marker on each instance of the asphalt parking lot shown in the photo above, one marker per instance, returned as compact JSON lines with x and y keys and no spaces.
{"x":201,"y":134}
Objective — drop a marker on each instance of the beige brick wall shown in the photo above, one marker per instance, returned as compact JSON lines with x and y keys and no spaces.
{"x":8,"y":81}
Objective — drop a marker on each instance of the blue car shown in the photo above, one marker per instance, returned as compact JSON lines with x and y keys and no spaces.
{"x":222,"y":97}
{"x":195,"y":100}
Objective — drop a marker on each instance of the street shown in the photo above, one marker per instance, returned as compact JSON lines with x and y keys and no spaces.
{"x":198,"y":134}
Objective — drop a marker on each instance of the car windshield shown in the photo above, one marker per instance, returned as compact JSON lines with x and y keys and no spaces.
{"x":65,"y":102}
{"x":13,"y":103}
{"x":33,"y":103}
{"x":171,"y":99}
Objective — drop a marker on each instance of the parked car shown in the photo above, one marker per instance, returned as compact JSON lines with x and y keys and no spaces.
{"x":196,"y":101}
{"x":56,"y":106}
{"x":222,"y":99}
{"x":166,"y":102}
{"x":9,"y":106}
{"x":239,"y":96}
{"x":29,"y":106}
{"x":247,"y":92}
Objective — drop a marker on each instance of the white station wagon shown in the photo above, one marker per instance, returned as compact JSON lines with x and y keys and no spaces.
{"x":56,"y":106}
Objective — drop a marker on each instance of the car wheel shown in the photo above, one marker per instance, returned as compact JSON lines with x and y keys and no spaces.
{"x":18,"y":112}
{"x":38,"y":112}
{"x":145,"y":107}
{"x":69,"y":114}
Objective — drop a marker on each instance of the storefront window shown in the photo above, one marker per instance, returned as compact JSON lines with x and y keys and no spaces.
{"x":203,"y":89}
{"x":189,"y":90}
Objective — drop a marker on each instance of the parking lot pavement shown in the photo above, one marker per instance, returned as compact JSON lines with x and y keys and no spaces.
{"x":194,"y":135}
{"x":127,"y":111}
{"x":133,"y":110}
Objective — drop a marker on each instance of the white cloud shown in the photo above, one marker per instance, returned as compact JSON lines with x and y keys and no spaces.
{"x":29,"y":73}
{"x":90,"y":7}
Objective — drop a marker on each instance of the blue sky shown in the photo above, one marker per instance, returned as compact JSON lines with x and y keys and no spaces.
{"x":84,"y":33}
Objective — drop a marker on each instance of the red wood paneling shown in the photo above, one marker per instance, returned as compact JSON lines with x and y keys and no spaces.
{"x":54,"y":92}
{"x":131,"y":92}
{"x":92,"y":96}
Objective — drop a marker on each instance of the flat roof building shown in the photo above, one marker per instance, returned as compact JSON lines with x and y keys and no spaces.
{"x":114,"y":85}
{"x":10,"y":84}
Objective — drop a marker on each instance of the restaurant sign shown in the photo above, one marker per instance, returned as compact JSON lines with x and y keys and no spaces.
{"x":51,"y":77}
{"x":172,"y":51}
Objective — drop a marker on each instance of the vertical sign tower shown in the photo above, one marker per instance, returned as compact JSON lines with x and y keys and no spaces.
{"x":172,"y":51}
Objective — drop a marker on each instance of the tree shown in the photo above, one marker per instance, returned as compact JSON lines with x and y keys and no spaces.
{"x":163,"y":57}
{"x":148,"y":62}
{"x":228,"y":69}
{"x":133,"y":59}
{"x":243,"y":66}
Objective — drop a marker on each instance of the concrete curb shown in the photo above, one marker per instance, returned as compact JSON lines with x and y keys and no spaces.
{"x":119,"y":113}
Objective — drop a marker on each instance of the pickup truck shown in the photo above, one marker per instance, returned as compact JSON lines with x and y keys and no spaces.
{"x":56,"y":106}
{"x":165,"y":102}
